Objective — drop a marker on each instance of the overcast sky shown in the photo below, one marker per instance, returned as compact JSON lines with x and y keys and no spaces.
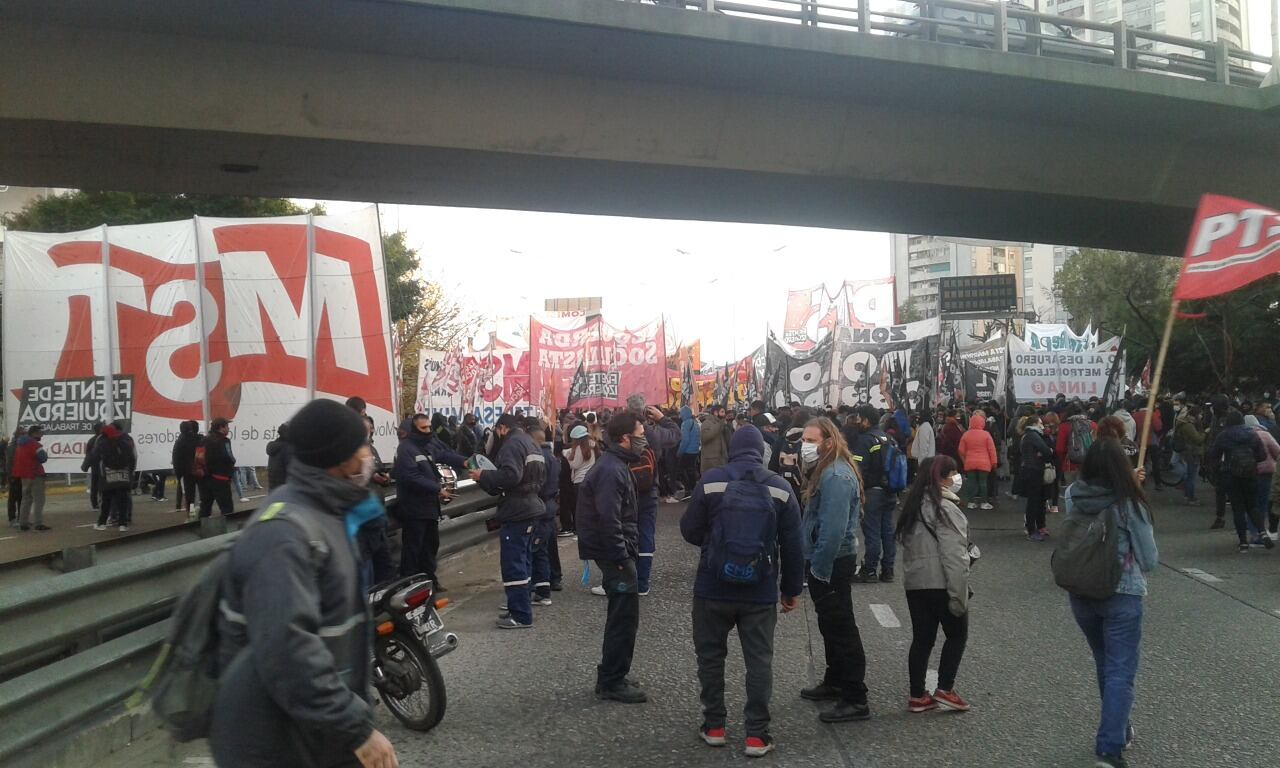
{"x":722,"y":283}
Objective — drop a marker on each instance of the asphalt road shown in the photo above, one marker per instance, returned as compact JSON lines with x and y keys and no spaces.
{"x":524,"y":698}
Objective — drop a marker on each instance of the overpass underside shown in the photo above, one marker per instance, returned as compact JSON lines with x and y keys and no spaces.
{"x":597,"y":106}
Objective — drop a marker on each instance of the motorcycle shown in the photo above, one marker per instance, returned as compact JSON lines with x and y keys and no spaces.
{"x":409,"y":637}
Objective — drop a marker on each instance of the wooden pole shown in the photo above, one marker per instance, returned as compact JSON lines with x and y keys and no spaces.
{"x":1155,"y":382}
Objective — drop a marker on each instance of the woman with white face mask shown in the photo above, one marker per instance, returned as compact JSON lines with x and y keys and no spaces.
{"x":934,"y":537}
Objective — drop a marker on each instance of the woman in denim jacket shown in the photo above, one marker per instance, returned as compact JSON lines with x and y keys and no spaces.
{"x":1113,"y":627}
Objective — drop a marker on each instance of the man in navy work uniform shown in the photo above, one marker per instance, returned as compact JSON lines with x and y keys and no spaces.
{"x":608,"y":533}
{"x":519,"y":477}
{"x":767,"y":512}
{"x":419,"y":492}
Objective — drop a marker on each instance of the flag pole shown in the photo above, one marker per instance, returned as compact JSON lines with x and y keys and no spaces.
{"x":1155,"y":382}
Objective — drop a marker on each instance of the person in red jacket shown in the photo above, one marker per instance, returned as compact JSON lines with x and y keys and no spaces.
{"x":949,"y":441}
{"x":978,"y":453}
{"x":28,"y":466}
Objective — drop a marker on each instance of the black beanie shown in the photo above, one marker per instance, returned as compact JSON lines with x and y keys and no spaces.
{"x":326,"y":433}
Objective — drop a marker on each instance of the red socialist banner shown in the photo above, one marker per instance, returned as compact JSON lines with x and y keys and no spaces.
{"x":618,"y":362}
{"x":1233,"y":243}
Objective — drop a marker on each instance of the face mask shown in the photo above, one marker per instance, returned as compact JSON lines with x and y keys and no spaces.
{"x":809,"y":453}
{"x":638,"y":444}
{"x":957,"y":482}
{"x":365,"y":474}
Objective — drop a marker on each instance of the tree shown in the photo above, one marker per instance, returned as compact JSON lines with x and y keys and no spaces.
{"x":1131,"y":293}
{"x":910,"y":313}
{"x":85,"y":209}
{"x":424,"y":316}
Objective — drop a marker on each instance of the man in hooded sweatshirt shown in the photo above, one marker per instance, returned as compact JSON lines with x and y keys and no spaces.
{"x":720,"y":605}
{"x":419,"y":491}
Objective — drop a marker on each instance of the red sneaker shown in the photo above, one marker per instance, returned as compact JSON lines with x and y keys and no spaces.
{"x":922,"y":704}
{"x":950,"y":700}
{"x":713,"y":736}
{"x":758,"y":746}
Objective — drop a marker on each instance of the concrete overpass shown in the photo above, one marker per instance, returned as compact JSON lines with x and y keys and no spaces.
{"x":597,"y":106}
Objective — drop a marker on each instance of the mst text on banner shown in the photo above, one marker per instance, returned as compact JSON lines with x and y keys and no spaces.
{"x":616,"y":362}
{"x":245,"y":319}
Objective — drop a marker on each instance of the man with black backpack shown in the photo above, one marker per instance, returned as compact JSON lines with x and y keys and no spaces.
{"x":746,"y":520}
{"x":1234,"y":459}
{"x":115,"y":459}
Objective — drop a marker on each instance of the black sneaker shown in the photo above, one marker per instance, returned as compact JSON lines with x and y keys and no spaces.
{"x":844,"y":712}
{"x":1111,"y":761}
{"x":886,"y":575}
{"x":1218,"y":522}
{"x":865,"y":576}
{"x":1267,"y":541}
{"x":557,"y":587}
{"x":623,"y":693}
{"x":1243,"y":548}
{"x":821,"y":692}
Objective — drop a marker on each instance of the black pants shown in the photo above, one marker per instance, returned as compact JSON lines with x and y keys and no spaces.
{"x":846,"y":660}
{"x":185,"y":491}
{"x":117,"y":504}
{"x":419,"y":547}
{"x":95,"y":488}
{"x":929,"y":610}
{"x":553,"y":555}
{"x":1033,"y":486}
{"x":568,"y":506}
{"x":215,"y":490}
{"x":712,"y":620}
{"x":1243,"y":492}
{"x":161,"y":480}
{"x":621,"y":624}
{"x":689,"y":471}
{"x":1220,"y":483}
{"x":15,"y":497}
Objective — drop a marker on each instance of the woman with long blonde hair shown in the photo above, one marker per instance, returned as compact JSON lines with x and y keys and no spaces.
{"x":833,"y":504}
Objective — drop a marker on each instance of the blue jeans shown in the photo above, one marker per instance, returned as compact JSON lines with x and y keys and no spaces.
{"x":877,"y":530}
{"x":1113,"y":629}
{"x":647,"y":516}
{"x":516,"y":557}
{"x":1193,"y":474}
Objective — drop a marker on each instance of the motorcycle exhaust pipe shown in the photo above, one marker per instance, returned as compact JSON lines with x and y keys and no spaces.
{"x":449,"y":643}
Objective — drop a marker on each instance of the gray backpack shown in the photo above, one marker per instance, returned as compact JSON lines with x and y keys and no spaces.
{"x":1085,"y":561}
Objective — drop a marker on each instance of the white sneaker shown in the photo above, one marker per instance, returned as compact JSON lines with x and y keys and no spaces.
{"x":124,"y":529}
{"x":973,"y":505}
{"x":244,"y":500}
{"x":644,"y":593}
{"x":987,"y":505}
{"x":543,"y":601}
{"x":598,"y":590}
{"x":97,"y":527}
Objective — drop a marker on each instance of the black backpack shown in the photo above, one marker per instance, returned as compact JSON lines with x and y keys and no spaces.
{"x":1085,"y":561}
{"x":1241,"y":462}
{"x":182,"y":684}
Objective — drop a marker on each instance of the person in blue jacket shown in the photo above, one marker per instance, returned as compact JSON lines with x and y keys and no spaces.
{"x":419,"y":491}
{"x":833,"y":503}
{"x":719,"y":605}
{"x":689,"y":450}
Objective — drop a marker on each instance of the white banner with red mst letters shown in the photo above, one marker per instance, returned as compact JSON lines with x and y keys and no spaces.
{"x":246,"y":319}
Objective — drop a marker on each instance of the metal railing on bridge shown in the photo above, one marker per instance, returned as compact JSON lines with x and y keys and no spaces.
{"x":1013,"y":28}
{"x":75,"y":645}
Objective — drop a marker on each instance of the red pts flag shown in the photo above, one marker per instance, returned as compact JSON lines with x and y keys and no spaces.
{"x":1233,"y":243}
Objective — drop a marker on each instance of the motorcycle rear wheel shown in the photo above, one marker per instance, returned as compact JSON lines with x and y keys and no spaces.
{"x":423,"y":709}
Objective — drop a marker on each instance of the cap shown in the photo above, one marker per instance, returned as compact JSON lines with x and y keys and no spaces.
{"x":578,"y":432}
{"x":326,"y":433}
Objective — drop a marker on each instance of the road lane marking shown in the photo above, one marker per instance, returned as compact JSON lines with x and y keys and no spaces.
{"x":884,"y":614}
{"x":1196,"y":573}
{"x":6,"y":538}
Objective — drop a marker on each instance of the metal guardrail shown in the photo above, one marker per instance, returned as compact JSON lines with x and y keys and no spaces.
{"x":75,"y":645}
{"x":1000,"y":26}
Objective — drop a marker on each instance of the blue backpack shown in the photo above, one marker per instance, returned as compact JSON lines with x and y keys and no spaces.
{"x":744,"y":535}
{"x":895,"y":466}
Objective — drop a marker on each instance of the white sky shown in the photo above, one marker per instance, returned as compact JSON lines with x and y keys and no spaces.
{"x":715,"y":281}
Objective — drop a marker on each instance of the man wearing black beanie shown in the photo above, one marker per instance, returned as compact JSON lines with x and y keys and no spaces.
{"x":294,"y":695}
